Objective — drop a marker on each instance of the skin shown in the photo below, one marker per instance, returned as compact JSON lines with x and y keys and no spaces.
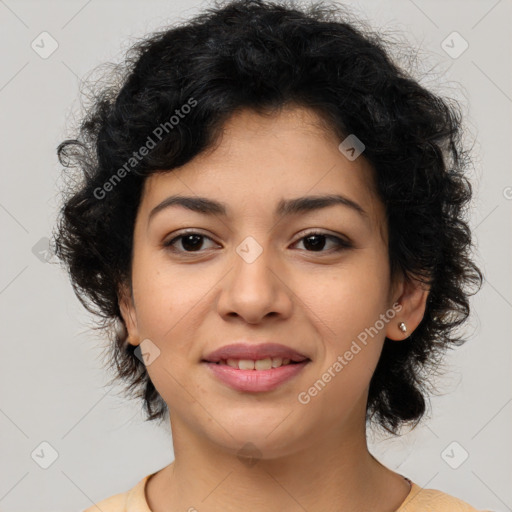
{"x":311,"y":456}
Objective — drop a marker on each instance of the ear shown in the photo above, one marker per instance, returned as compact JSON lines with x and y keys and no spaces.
{"x":412,"y":296}
{"x":128,"y":312}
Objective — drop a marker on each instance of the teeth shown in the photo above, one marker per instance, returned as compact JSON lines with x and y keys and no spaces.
{"x":277,"y":362}
{"x":260,"y":364}
{"x":263,"y":364}
{"x":246,"y":364}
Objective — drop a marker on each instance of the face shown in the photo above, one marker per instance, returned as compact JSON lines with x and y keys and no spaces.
{"x":312,"y":279}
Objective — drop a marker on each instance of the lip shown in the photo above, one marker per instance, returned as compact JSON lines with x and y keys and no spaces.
{"x":255,"y":380}
{"x":254,"y":352}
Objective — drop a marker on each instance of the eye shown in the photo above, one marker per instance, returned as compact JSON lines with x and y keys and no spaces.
{"x":316,"y":241}
{"x":190,"y":242}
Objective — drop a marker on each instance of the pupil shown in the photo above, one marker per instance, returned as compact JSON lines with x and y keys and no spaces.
{"x":194,"y":242}
{"x":317,"y":244}
{"x":192,"y":246}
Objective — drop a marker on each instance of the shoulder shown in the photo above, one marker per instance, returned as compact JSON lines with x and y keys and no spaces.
{"x":116,"y":503}
{"x":133,"y":500}
{"x":432,"y":500}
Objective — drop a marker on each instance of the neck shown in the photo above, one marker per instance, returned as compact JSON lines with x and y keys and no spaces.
{"x":335,"y":472}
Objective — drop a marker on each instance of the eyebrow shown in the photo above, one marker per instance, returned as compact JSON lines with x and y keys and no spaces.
{"x":286,"y":207}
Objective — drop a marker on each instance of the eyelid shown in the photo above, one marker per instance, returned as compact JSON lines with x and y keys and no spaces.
{"x":323,"y":232}
{"x":301,"y":234}
{"x":188,"y":231}
{"x":342,"y":241}
{"x":184,"y":232}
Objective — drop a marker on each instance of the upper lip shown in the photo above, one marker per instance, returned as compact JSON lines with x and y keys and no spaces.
{"x":254,"y":352}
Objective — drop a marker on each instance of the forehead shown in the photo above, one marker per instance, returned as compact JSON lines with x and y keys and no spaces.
{"x":260,"y":159}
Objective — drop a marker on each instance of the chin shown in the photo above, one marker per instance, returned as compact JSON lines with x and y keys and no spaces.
{"x":259,"y":440}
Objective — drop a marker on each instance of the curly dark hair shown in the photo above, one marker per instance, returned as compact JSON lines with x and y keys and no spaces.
{"x":263,"y":56}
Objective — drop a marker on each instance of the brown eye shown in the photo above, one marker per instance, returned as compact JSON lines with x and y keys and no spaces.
{"x":316,"y":242}
{"x":190,"y":242}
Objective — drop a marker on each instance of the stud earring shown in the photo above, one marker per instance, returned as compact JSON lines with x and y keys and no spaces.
{"x":402,"y":327}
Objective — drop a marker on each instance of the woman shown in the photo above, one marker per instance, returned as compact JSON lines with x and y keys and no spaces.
{"x":273,"y":221}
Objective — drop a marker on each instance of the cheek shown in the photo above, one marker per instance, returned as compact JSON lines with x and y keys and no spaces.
{"x":171,"y":306}
{"x":347,"y":308}
{"x":349,"y":299}
{"x":162,"y":294}
{"x":348,"y":352}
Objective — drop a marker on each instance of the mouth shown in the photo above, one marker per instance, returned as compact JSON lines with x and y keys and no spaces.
{"x":268,"y":363}
{"x":255,"y":368}
{"x":245,"y":377}
{"x":248,"y":356}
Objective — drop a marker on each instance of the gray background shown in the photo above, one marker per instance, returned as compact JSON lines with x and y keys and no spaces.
{"x":53,"y":387}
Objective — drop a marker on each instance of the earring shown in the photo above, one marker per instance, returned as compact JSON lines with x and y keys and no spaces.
{"x":402,"y":327}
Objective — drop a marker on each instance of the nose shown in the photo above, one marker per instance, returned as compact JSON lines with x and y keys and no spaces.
{"x":256,"y":288}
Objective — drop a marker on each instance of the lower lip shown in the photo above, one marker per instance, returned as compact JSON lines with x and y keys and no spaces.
{"x":255,"y":380}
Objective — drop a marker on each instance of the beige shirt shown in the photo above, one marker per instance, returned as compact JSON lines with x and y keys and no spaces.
{"x":418,"y":500}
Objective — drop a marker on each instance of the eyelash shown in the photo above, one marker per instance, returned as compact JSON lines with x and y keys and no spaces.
{"x":341,"y":243}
